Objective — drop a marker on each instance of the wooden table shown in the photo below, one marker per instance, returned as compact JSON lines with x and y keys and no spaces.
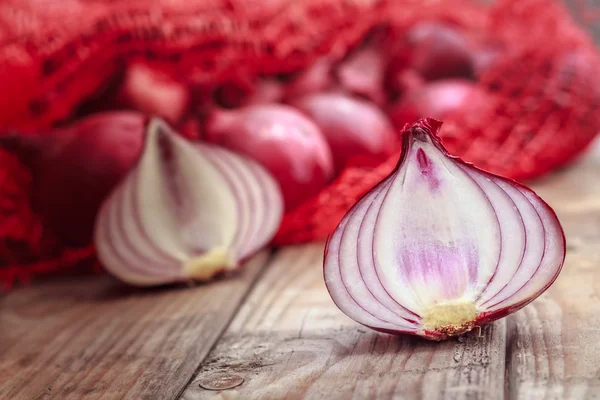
{"x":272,"y":332}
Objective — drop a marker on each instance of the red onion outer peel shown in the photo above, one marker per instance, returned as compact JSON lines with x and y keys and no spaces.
{"x":440,"y":246}
{"x":185,"y":211}
{"x":438,"y":51}
{"x":354,"y":129}
{"x":77,"y":170}
{"x":281,"y":139}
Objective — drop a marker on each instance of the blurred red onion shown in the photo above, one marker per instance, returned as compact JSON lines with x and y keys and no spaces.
{"x":79,"y":166}
{"x":354,"y":129}
{"x":436,"y":50}
{"x":285,"y":142}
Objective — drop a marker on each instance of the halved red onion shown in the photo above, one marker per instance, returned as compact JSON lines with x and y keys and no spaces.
{"x":185,"y":211}
{"x":440,"y":246}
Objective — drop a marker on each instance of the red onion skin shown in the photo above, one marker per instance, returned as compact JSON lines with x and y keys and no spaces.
{"x":281,"y":139}
{"x":354,"y":129}
{"x":154,"y":93}
{"x":437,"y":100}
{"x":74,"y":175}
{"x":436,"y":50}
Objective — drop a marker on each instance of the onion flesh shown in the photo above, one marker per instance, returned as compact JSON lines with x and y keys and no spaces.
{"x":440,"y":247}
{"x":185,"y":211}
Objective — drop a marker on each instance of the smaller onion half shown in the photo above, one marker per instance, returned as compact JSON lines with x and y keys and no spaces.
{"x":185,"y":211}
{"x":440,"y":246}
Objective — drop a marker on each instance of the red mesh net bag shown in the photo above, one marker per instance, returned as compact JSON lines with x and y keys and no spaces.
{"x":55,"y":56}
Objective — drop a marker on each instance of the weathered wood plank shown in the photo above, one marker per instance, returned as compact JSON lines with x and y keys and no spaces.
{"x":94,"y":338}
{"x":290,"y":341}
{"x":554,"y":343}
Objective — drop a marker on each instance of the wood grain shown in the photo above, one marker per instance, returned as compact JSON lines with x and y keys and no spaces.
{"x":290,"y":341}
{"x":94,"y":338}
{"x":554,"y":343}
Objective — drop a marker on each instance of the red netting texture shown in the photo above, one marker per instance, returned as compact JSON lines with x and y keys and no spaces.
{"x":55,"y":55}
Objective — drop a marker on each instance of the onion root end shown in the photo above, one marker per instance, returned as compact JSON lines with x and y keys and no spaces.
{"x":207,"y":265}
{"x":450,"y":318}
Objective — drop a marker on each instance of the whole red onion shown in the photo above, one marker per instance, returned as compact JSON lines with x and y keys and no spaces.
{"x":436,"y":50}
{"x":285,"y":142}
{"x":354,"y":129}
{"x":78,"y":167}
